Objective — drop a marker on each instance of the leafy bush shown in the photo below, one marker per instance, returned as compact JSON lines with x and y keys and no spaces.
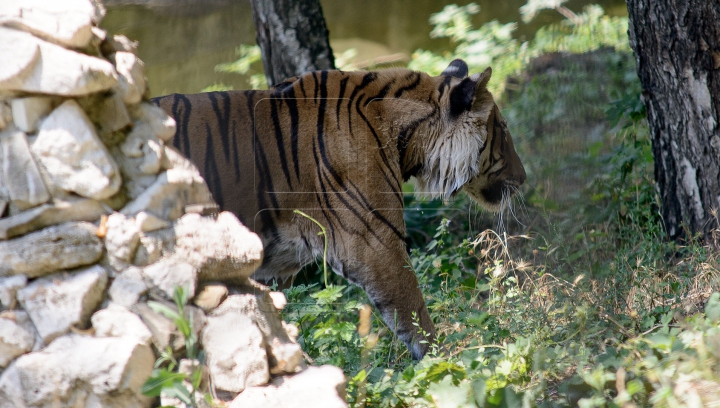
{"x":493,"y":44}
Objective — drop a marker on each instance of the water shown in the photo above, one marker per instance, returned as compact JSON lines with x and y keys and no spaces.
{"x":181,"y":41}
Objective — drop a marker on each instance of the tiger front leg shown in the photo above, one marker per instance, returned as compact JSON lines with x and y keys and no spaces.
{"x":393,"y":288}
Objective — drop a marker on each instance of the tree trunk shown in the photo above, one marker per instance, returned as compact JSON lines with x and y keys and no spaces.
{"x":677,"y":49}
{"x":292,"y":36}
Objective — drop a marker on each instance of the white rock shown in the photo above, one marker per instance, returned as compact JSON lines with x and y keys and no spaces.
{"x":40,"y":253}
{"x":122,"y":237}
{"x":148,"y":222}
{"x":153,"y":120}
{"x":210,"y":297}
{"x":27,"y":111}
{"x":283,"y":354}
{"x":61,"y":72}
{"x":142,"y":154}
{"x":168,"y":274}
{"x":8,"y":290}
{"x":20,"y":174}
{"x":59,"y":302}
{"x":164,"y":331}
{"x":5,"y":113}
{"x":183,"y":182}
{"x":235,"y":351}
{"x":127,"y":287}
{"x":18,"y":61}
{"x":219,"y":248}
{"x":74,"y":156}
{"x":292,"y":331}
{"x":117,"y":321}
{"x":278,"y":299}
{"x":68,"y":23}
{"x":322,"y":386}
{"x":48,"y":214}
{"x":152,"y":246}
{"x":17,"y":336}
{"x":120,"y":43}
{"x":79,"y":371}
{"x":131,"y":85}
{"x":113,"y":114}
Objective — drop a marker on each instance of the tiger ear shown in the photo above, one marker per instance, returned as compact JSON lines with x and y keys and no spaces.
{"x":463,"y":94}
{"x":457,"y":68}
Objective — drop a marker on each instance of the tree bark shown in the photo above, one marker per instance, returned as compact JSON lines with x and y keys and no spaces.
{"x":293,"y":38}
{"x":677,"y":50}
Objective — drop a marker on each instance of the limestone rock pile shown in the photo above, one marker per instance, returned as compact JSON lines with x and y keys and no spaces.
{"x":99,"y":215}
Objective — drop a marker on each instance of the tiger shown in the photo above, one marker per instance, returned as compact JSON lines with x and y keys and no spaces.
{"x":337,"y":146}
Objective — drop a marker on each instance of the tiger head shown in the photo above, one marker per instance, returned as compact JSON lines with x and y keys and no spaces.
{"x":473,"y":151}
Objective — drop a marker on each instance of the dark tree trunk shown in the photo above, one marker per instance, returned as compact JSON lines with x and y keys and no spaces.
{"x":677,"y":49}
{"x":292,"y":36}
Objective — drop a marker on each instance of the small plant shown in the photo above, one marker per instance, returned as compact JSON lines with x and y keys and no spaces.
{"x":166,"y":378}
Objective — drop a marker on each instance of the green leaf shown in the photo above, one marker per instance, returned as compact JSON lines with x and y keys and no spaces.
{"x":712,"y":309}
{"x":179,"y":391}
{"x":164,"y":310}
{"x":447,"y":395}
{"x":161,"y":378}
{"x":479,"y":388}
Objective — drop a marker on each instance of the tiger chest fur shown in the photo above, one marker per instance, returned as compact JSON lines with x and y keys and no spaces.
{"x":337,"y":146}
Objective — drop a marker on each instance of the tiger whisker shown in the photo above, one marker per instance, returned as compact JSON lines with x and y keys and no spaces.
{"x":512,"y":209}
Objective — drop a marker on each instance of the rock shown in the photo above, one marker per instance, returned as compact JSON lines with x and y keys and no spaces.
{"x":63,"y":246}
{"x":5,"y":113}
{"x":171,"y":191}
{"x":152,"y":120}
{"x":284,"y":355}
{"x":291,"y":330}
{"x":20,"y":174}
{"x":168,"y":274}
{"x":17,"y":336}
{"x":322,"y":386}
{"x":164,"y":331}
{"x":47,"y":215}
{"x":152,"y":246}
{"x":74,"y":155}
{"x":112,"y":114}
{"x":210,"y":297}
{"x":148,"y":222}
{"x":140,"y":155}
{"x":79,"y":371}
{"x":18,"y":62}
{"x":278,"y":299}
{"x":131,"y":85}
{"x":119,"y":43}
{"x":117,"y":321}
{"x":68,"y":23}
{"x":62,"y":72}
{"x":122,"y":237}
{"x":235,"y":350}
{"x":220,"y":249}
{"x":27,"y":111}
{"x":8,"y":290}
{"x":58,"y":302}
{"x":127,"y":287}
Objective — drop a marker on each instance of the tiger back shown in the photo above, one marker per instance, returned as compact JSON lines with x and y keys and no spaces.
{"x":337,"y":146}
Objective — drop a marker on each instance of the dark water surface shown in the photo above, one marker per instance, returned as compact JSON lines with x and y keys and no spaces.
{"x":181,"y":41}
